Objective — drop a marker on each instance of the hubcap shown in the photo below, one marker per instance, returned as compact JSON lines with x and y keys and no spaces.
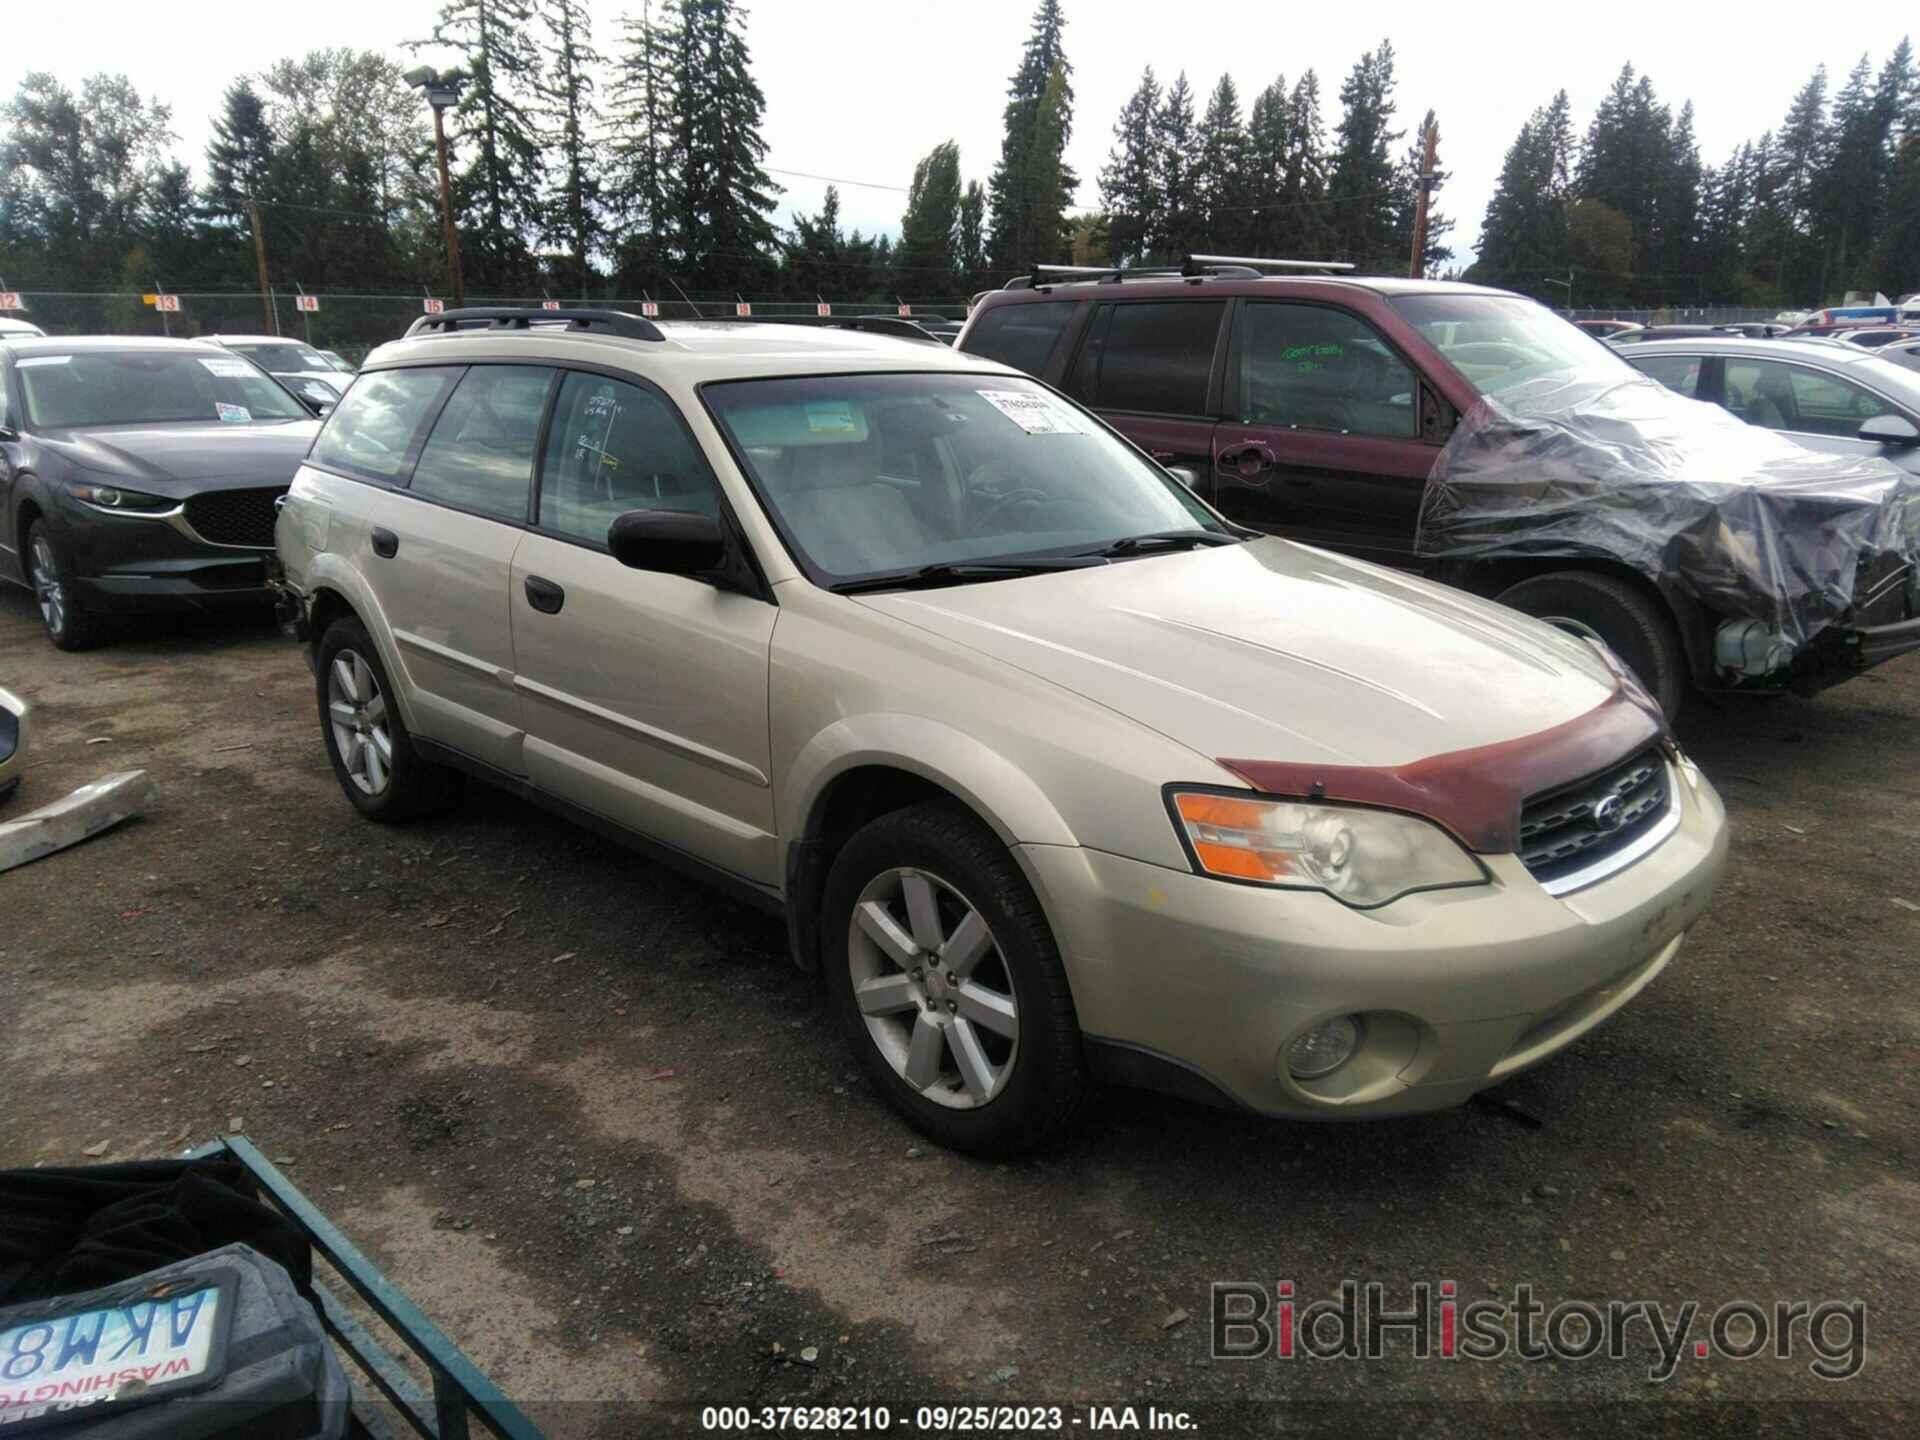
{"x":47,"y":588}
{"x":933,"y":988}
{"x":358,"y":713}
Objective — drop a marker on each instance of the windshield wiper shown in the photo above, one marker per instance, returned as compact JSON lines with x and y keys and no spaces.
{"x":959,"y":572}
{"x":1134,"y":544}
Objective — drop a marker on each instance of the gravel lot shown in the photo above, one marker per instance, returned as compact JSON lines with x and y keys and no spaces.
{"x":587,"y":1114}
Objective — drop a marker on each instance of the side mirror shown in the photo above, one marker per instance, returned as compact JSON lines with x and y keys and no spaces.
{"x":1890,"y":430}
{"x":1185,"y":476}
{"x":671,"y":542}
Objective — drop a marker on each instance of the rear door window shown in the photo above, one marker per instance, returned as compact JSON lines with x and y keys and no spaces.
{"x":1150,"y":357}
{"x":1679,"y":373}
{"x":377,"y":428}
{"x":480,"y":455}
{"x":1777,"y":396}
{"x":1022,"y":336}
{"x":1311,"y":367}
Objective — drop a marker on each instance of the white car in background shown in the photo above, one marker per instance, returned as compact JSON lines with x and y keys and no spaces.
{"x":295,"y":364}
{"x":19,"y":329}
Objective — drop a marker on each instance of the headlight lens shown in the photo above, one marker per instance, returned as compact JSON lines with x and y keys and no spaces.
{"x":113,"y":497}
{"x":1363,"y":857}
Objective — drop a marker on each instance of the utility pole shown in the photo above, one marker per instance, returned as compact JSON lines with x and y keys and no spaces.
{"x":442,"y":89}
{"x":260,"y":255}
{"x":1417,"y":266}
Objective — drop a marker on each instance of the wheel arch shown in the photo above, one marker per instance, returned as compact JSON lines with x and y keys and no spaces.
{"x":336,"y":590}
{"x":859,"y":769}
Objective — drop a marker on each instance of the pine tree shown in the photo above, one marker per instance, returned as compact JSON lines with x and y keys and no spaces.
{"x":639,"y":186}
{"x":1363,"y":185}
{"x":1269,"y":145}
{"x":1219,"y":172}
{"x":929,"y":229}
{"x":1130,"y":182}
{"x":498,"y":191}
{"x":1177,"y":230}
{"x":1799,"y":158}
{"x":571,"y":216}
{"x":1897,"y":260}
{"x":1012,"y":188}
{"x":1044,"y":234}
{"x":1678,"y":206}
{"x":1305,"y":214}
{"x":972,"y":239}
{"x":721,"y":230}
{"x":239,"y":154}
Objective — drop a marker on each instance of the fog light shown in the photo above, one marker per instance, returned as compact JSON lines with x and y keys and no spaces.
{"x":1324,"y":1049}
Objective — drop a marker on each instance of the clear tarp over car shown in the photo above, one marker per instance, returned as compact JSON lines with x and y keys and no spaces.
{"x":1616,"y":466}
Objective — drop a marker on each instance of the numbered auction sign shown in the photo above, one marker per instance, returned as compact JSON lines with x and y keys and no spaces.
{"x":905,"y":311}
{"x":306,"y":302}
{"x":743,"y":309}
{"x":549,"y":304}
{"x":432,"y":306}
{"x":10,"y":300}
{"x":650,"y":308}
{"x":167,"y":302}
{"x":823,"y":309}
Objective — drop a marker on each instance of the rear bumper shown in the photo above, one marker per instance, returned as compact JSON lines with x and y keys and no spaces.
{"x":1182,"y":975}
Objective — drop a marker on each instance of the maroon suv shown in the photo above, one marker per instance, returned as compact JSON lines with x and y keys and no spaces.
{"x":1317,"y":406}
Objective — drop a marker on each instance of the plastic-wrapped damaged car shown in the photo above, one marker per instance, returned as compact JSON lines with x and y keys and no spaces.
{"x":1475,"y":436}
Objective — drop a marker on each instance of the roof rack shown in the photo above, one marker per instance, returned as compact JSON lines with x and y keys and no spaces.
{"x":1193,"y":267}
{"x":898,"y":327}
{"x":514,"y":317}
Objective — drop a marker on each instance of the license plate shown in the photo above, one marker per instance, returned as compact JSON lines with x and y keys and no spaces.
{"x":152,"y":1344}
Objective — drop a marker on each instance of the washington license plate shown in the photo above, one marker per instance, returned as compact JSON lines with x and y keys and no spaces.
{"x":141,"y":1348}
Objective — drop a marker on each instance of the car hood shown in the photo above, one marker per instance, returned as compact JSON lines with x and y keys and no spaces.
{"x":180,"y":459}
{"x":1277,"y":651}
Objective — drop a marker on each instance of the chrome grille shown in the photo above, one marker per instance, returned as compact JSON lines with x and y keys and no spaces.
{"x":235,"y":517}
{"x":1565,"y":833}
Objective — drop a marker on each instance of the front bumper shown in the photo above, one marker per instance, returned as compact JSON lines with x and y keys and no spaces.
{"x":1207,"y":984}
{"x":148,"y":564}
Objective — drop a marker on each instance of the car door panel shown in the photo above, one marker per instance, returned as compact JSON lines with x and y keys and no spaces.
{"x":645,"y":694}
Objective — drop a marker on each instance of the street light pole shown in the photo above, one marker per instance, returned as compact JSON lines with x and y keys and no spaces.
{"x":442,"y":89}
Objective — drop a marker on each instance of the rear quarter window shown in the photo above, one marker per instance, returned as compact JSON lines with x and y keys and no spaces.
{"x":1022,"y":336}
{"x":376,"y":429}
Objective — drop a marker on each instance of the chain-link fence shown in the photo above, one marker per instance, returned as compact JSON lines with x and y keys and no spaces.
{"x":1683,"y":314}
{"x":353,"y":324}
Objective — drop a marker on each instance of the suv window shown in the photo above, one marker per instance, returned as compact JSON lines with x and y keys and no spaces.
{"x":480,"y":455}
{"x":612,"y":448}
{"x":376,"y":428}
{"x":1149,"y":356}
{"x":1315,"y":368}
{"x":1679,"y":373}
{"x":1777,"y":396}
{"x":1022,"y":336}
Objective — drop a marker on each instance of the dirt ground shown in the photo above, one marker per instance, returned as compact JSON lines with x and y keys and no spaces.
{"x":591,"y":1119}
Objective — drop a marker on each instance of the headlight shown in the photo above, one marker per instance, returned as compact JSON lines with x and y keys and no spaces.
{"x":112,"y":497}
{"x":1363,"y":857}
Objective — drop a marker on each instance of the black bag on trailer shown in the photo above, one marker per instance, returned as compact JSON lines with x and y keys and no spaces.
{"x":218,"y":1347}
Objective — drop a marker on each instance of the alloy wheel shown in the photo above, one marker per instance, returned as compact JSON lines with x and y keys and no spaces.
{"x":48,"y":588}
{"x":358,"y":713}
{"x":933,"y":988}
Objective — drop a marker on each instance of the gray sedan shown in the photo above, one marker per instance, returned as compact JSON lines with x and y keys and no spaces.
{"x":139,"y":475}
{"x":1826,"y":395}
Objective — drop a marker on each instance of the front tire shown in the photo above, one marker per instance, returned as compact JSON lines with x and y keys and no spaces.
{"x":1632,"y":624}
{"x":48,"y":570}
{"x":366,"y":738}
{"x":948,"y":984}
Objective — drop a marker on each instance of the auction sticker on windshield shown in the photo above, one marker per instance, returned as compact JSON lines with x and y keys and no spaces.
{"x":229,"y":369}
{"x":1037,"y":414}
{"x":146,"y":1346}
{"x":238,"y":414}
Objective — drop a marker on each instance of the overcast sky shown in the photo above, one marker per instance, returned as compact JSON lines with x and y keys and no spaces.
{"x":858,"y":90}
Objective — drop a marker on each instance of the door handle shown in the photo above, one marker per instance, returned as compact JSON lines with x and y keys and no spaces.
{"x":1249,"y":462}
{"x":544,"y":595}
{"x":385,"y":543}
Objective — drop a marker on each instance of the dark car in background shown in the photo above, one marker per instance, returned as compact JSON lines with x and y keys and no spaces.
{"x":1606,"y":329}
{"x":1473,"y":435}
{"x":139,"y":476}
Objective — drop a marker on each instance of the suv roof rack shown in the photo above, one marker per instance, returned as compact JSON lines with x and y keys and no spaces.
{"x":516,"y":317}
{"x":896,"y":326}
{"x":1193,"y":267}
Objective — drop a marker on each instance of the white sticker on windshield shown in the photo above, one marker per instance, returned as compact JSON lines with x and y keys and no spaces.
{"x":27,"y":362}
{"x":229,"y":369}
{"x":1033,"y":412}
{"x":238,"y":414}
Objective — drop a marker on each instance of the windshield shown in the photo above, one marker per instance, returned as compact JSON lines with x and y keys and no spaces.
{"x":283,"y":359}
{"x":146,"y":387}
{"x":1499,"y":342}
{"x":874,"y":474}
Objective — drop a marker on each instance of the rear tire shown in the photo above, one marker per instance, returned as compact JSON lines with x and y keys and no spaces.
{"x":50,"y":574}
{"x":1634,"y":626}
{"x":366,"y":737}
{"x":963,"y":1019}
